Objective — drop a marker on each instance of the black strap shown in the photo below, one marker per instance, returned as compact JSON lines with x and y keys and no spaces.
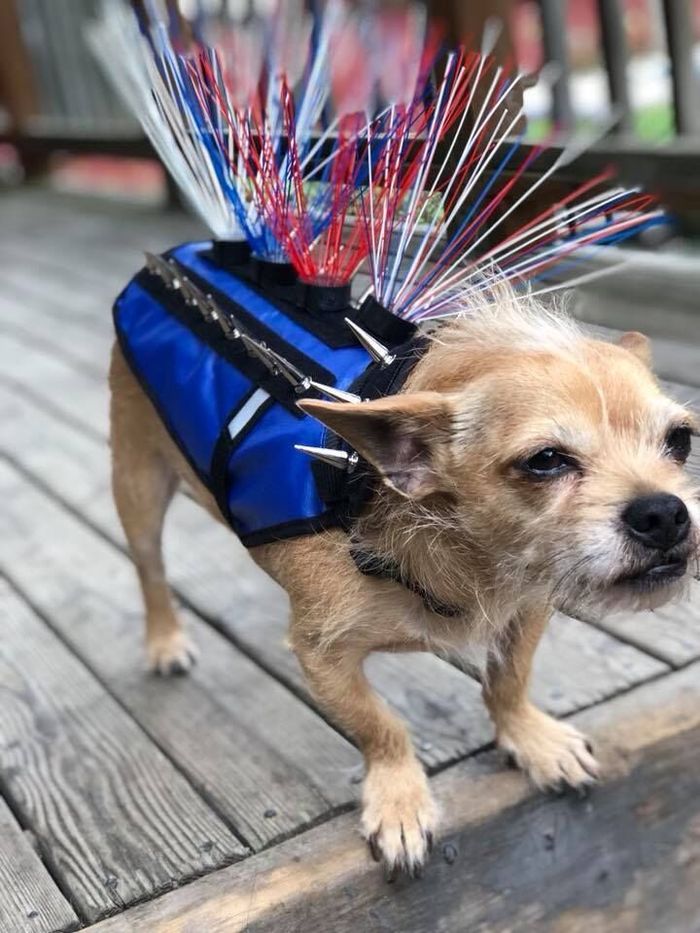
{"x":348,"y":492}
{"x":374,"y":566}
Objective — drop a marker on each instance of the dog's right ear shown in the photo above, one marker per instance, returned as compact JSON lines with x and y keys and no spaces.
{"x":401,"y":435}
{"x":638,"y":345}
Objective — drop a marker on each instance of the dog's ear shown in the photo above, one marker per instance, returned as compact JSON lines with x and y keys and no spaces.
{"x":400,"y":435}
{"x":638,"y":345}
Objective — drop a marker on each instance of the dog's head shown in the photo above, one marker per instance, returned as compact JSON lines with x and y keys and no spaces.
{"x":555,"y":460}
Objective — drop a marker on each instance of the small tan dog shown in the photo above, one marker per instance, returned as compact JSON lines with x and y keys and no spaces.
{"x":525,"y":467}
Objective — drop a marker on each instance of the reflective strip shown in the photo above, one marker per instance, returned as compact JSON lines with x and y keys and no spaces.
{"x":243,"y":415}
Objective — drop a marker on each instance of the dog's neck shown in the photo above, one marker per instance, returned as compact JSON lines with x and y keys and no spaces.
{"x":423,"y":547}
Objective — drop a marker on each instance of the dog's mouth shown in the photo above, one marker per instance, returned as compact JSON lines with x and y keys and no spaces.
{"x":653,"y":576}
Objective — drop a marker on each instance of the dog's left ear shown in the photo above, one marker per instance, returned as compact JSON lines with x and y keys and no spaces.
{"x":401,"y":435}
{"x":638,"y":345}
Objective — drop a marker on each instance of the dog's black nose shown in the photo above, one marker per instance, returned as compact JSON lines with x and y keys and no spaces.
{"x":658,"y":521}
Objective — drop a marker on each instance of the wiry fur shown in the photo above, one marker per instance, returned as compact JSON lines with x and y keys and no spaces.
{"x":460,"y":519}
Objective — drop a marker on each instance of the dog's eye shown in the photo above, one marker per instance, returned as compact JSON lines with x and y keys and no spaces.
{"x":548,"y":463}
{"x":678,"y":443}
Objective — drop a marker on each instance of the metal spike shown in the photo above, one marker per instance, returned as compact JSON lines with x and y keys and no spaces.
{"x":231,"y":332}
{"x":289,"y":371}
{"x":209,"y":309}
{"x":377,"y":350}
{"x":151,"y":262}
{"x":338,"y":394}
{"x":261,"y":351}
{"x":205,"y":303}
{"x":181,"y":281}
{"x":189,"y":291}
{"x":156,"y":265}
{"x":169,"y":274}
{"x":339,"y":459}
{"x":212,"y":312}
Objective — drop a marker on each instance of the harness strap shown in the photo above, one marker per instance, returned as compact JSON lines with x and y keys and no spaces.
{"x":374,"y":566}
{"x":348,"y":492}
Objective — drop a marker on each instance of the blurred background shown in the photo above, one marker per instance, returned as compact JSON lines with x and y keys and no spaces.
{"x":115,"y":787}
{"x":638,"y":59}
{"x":628,"y":70}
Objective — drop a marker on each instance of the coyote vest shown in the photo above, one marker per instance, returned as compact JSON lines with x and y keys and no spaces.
{"x":234,"y":416}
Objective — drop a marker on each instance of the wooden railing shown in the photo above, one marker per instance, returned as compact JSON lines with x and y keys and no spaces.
{"x":75,"y":109}
{"x":677,"y":16}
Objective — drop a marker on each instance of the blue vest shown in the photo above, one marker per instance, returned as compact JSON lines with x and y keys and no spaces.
{"x":234,"y":419}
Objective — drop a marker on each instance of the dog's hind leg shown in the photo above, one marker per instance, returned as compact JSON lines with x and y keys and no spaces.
{"x":398,"y":812}
{"x":554,"y":754}
{"x":143,"y":483}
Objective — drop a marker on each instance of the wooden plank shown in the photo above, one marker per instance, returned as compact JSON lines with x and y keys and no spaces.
{"x":78,"y":343}
{"x":30,"y":902}
{"x":637,"y":298}
{"x":115,"y":819}
{"x":680,"y":41}
{"x":509,"y":858}
{"x":671,"y":633}
{"x":614,"y":43}
{"x":62,"y":267}
{"x":577,"y":666}
{"x":100,"y":234}
{"x":686,"y":394}
{"x":216,"y":576}
{"x":674,"y":360}
{"x":79,"y":398}
{"x":554,"y":39}
{"x":17,"y":73}
{"x":628,"y":862}
{"x":259,"y":755}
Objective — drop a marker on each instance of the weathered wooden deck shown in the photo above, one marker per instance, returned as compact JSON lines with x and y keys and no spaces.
{"x":117,"y":787}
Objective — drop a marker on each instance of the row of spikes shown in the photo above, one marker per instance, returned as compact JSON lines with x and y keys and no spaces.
{"x":175,"y":278}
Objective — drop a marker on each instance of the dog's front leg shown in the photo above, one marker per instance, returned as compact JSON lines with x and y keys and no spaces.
{"x":554,"y":754}
{"x":398,"y":812}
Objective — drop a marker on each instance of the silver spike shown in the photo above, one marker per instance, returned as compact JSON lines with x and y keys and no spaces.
{"x":189,"y":291}
{"x":212,"y":312}
{"x":338,"y":394}
{"x":151,"y":262}
{"x":171,"y":275}
{"x":377,"y":350}
{"x":231,"y":332}
{"x":156,"y":265}
{"x":205,"y":303}
{"x":261,"y":351}
{"x":181,"y":281}
{"x":289,"y":371}
{"x":194,"y":296}
{"x":339,"y":459}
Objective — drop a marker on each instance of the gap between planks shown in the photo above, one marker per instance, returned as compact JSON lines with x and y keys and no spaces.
{"x":30,"y":899}
{"x":325,"y":879}
{"x":261,"y":759}
{"x":114,"y":819}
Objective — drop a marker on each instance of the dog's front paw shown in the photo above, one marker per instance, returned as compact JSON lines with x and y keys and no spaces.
{"x":554,"y":754}
{"x":399,"y":817}
{"x":171,"y":655}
